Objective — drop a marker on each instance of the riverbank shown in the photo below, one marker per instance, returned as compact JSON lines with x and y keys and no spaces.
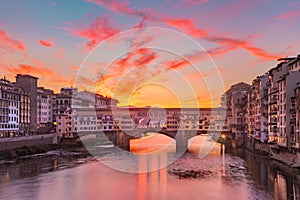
{"x":15,"y":153}
{"x":273,"y":152}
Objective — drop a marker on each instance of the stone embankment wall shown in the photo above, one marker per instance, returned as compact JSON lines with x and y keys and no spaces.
{"x":10,"y":143}
{"x":288,"y":158}
{"x":273,"y":152}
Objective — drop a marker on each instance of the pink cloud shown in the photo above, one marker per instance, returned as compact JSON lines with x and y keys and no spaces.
{"x":33,"y":60}
{"x":46,"y":43}
{"x":135,"y":58}
{"x":288,"y":15}
{"x":9,"y":43}
{"x":243,"y":44}
{"x":189,"y":26}
{"x":59,"y":54}
{"x":98,"y":30}
{"x":119,"y":6}
{"x":186,"y":25}
{"x":187,"y":3}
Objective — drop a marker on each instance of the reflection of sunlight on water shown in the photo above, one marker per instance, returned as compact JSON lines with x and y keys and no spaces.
{"x":153,"y":142}
{"x":152,"y":174}
{"x":280,"y":187}
{"x":200,"y":144}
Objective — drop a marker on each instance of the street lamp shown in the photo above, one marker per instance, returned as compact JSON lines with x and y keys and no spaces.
{"x":223,"y":136}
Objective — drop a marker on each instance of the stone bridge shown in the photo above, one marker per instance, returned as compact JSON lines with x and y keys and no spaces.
{"x":122,"y":138}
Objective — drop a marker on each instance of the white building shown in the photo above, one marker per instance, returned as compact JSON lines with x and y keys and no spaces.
{"x":10,"y":97}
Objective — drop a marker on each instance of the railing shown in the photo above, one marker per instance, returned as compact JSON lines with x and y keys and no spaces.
{"x":273,"y":100}
{"x":274,"y":89}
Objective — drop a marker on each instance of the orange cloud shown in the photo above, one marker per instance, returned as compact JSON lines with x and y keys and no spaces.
{"x":46,"y":76}
{"x":9,"y":43}
{"x":73,"y":67}
{"x":33,"y":60}
{"x":28,"y":69}
{"x":46,"y":43}
{"x":59,"y":54}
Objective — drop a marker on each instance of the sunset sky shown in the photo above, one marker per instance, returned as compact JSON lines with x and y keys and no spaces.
{"x":167,"y":65}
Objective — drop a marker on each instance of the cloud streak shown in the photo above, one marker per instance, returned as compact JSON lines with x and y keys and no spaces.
{"x":188,"y":26}
{"x":47,"y":76}
{"x":46,"y":43}
{"x":98,"y":30}
{"x":10,"y":44}
{"x":288,"y":15}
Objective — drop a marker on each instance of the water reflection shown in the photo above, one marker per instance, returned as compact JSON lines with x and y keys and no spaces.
{"x":279,"y":180}
{"x":153,"y":142}
{"x":221,"y":176}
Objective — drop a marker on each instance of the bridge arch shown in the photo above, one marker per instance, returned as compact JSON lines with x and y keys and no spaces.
{"x":202,"y":145}
{"x":152,"y":142}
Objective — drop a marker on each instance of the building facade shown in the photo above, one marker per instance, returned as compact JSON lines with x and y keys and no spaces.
{"x":283,"y":80}
{"x":24,"y":114}
{"x":10,"y":98}
{"x":44,"y":109}
{"x":295,"y":118}
{"x":29,"y":85}
{"x":257,"y":109}
{"x":235,"y":102}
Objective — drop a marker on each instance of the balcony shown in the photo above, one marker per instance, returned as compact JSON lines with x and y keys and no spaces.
{"x":273,"y":110}
{"x":273,"y":100}
{"x":273,"y":121}
{"x":281,"y":141}
{"x":293,"y":120}
{"x":273,"y":90}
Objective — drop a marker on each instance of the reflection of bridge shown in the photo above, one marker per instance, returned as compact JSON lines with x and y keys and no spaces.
{"x":122,"y":138}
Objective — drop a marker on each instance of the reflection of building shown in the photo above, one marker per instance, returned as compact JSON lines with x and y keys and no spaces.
{"x":10,"y":97}
{"x":280,"y":186}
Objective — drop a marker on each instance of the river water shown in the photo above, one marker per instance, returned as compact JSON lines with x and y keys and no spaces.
{"x":67,"y":175}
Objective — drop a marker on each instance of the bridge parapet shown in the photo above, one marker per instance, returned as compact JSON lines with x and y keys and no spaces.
{"x":122,"y":138}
